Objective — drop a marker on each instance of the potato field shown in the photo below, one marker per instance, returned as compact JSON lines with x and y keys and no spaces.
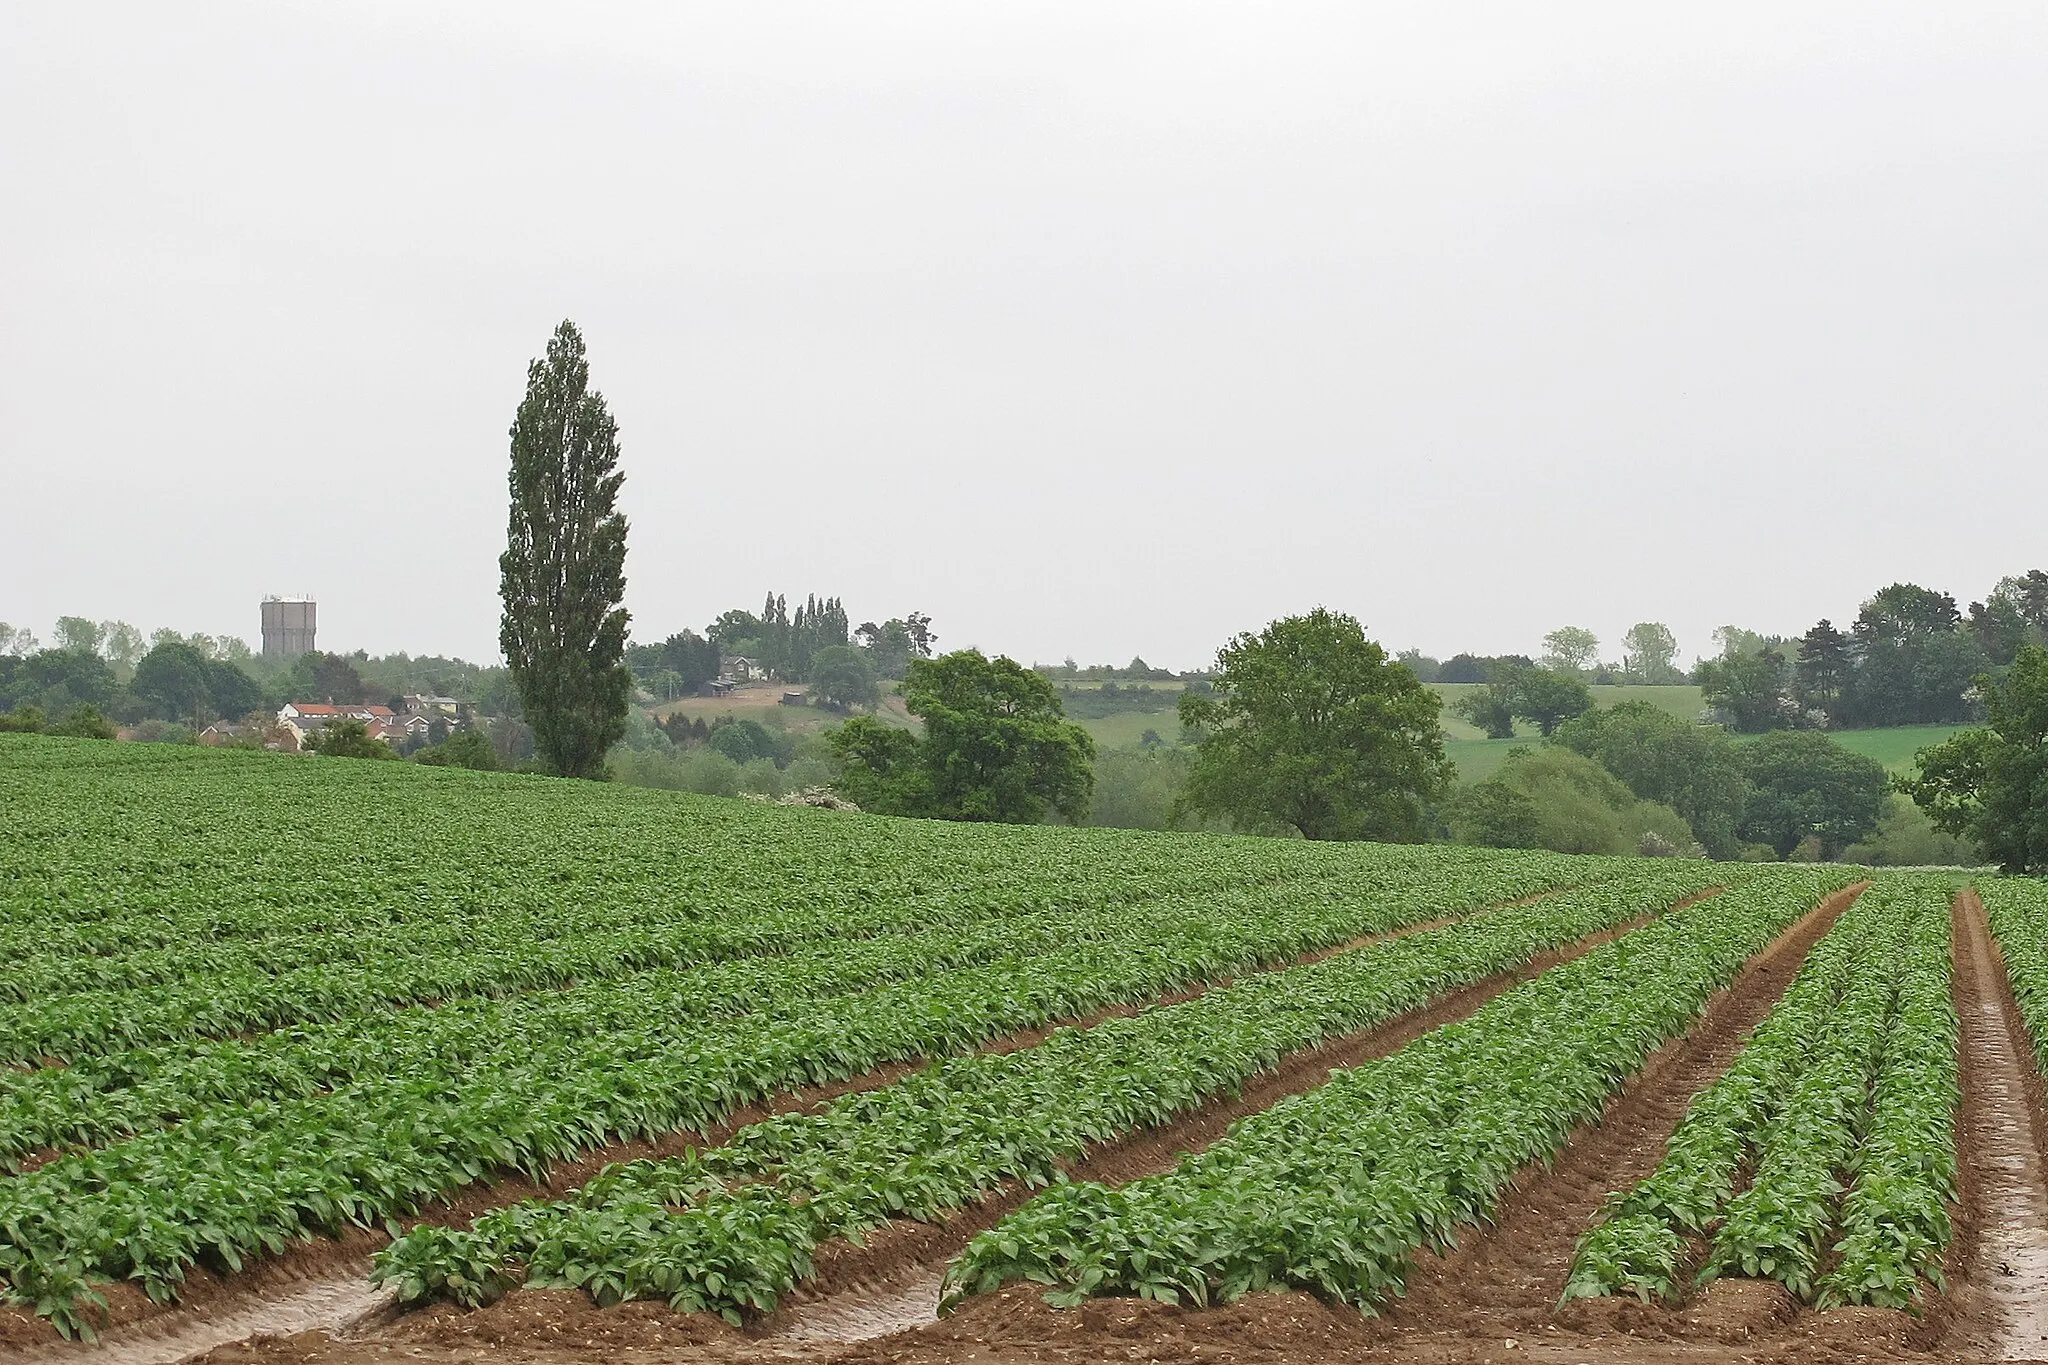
{"x":318,"y":1058}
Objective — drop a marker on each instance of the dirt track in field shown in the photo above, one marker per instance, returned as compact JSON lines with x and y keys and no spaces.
{"x":322,"y":1285}
{"x":1998,"y":1265}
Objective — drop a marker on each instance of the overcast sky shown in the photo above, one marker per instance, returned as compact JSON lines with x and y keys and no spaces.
{"x":1091,"y":329}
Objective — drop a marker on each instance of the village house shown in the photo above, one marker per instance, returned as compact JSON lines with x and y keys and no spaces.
{"x":304,"y":719}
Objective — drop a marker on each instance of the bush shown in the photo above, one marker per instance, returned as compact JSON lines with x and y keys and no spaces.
{"x":1556,"y":799}
{"x":463,"y":749}
{"x":1906,"y":837}
{"x":82,"y":722}
{"x":349,"y":739}
{"x":22,"y":720}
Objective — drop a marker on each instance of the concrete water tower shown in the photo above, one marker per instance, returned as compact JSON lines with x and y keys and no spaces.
{"x":287,"y":628}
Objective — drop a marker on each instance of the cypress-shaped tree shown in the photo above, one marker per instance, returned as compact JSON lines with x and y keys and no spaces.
{"x":563,"y":573}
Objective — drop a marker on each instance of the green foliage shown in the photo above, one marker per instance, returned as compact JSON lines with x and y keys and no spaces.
{"x":82,"y":722}
{"x":1913,"y":663}
{"x":348,"y":739}
{"x":1312,"y":728}
{"x":1572,"y":650}
{"x":563,"y":573}
{"x":1991,"y":785}
{"x":1648,"y":650}
{"x":464,"y":749}
{"x":1694,"y":769}
{"x":22,"y":720}
{"x":751,"y":1213}
{"x":1547,"y":697}
{"x":1854,"y":1071}
{"x":1748,"y":689}
{"x":175,"y":681}
{"x":1491,"y":708}
{"x":240,"y":1009}
{"x":55,"y":680}
{"x":1907,"y":837}
{"x":842,"y":676}
{"x":1557,"y":799}
{"x":1334,"y":1190}
{"x":2013,"y":616}
{"x":1805,"y":785}
{"x":996,"y":746}
{"x":1141,"y":787}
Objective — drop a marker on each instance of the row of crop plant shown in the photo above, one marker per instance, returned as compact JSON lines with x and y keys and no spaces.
{"x":731,"y":1230}
{"x":1824,"y":1158}
{"x":1334,"y":1191}
{"x":243,"y":1177}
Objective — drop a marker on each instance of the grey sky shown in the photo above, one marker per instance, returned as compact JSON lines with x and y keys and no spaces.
{"x":1091,"y":329}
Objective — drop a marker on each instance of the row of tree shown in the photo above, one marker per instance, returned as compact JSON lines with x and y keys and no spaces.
{"x":1911,"y":657}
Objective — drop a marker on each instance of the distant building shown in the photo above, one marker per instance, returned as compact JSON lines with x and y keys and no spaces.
{"x":304,"y":719}
{"x":287,"y":628}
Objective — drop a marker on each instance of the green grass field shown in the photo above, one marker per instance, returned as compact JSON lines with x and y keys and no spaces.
{"x":1894,"y":747}
{"x":1684,"y":702}
{"x":1124,"y":729}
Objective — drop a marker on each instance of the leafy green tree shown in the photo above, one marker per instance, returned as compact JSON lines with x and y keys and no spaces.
{"x":1571,"y":649}
{"x":742,"y":741}
{"x":1491,"y":708}
{"x":326,"y":678}
{"x":1547,"y":697}
{"x":1749,"y":689}
{"x":1804,"y":785}
{"x":879,"y":768}
{"x":55,"y":680}
{"x":75,"y":632}
{"x":1914,"y":665}
{"x":171,"y":681}
{"x":564,"y":568}
{"x":19,"y":642}
{"x":2013,"y":616}
{"x":1311,"y":727}
{"x":1647,"y":651}
{"x":122,"y":645}
{"x":1991,"y":784}
{"x":1822,"y":674}
{"x":841,"y":676}
{"x":349,"y":739}
{"x":1696,"y":770}
{"x":996,"y":746}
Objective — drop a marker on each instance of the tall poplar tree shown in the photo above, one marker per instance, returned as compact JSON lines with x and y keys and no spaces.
{"x":563,"y":573}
